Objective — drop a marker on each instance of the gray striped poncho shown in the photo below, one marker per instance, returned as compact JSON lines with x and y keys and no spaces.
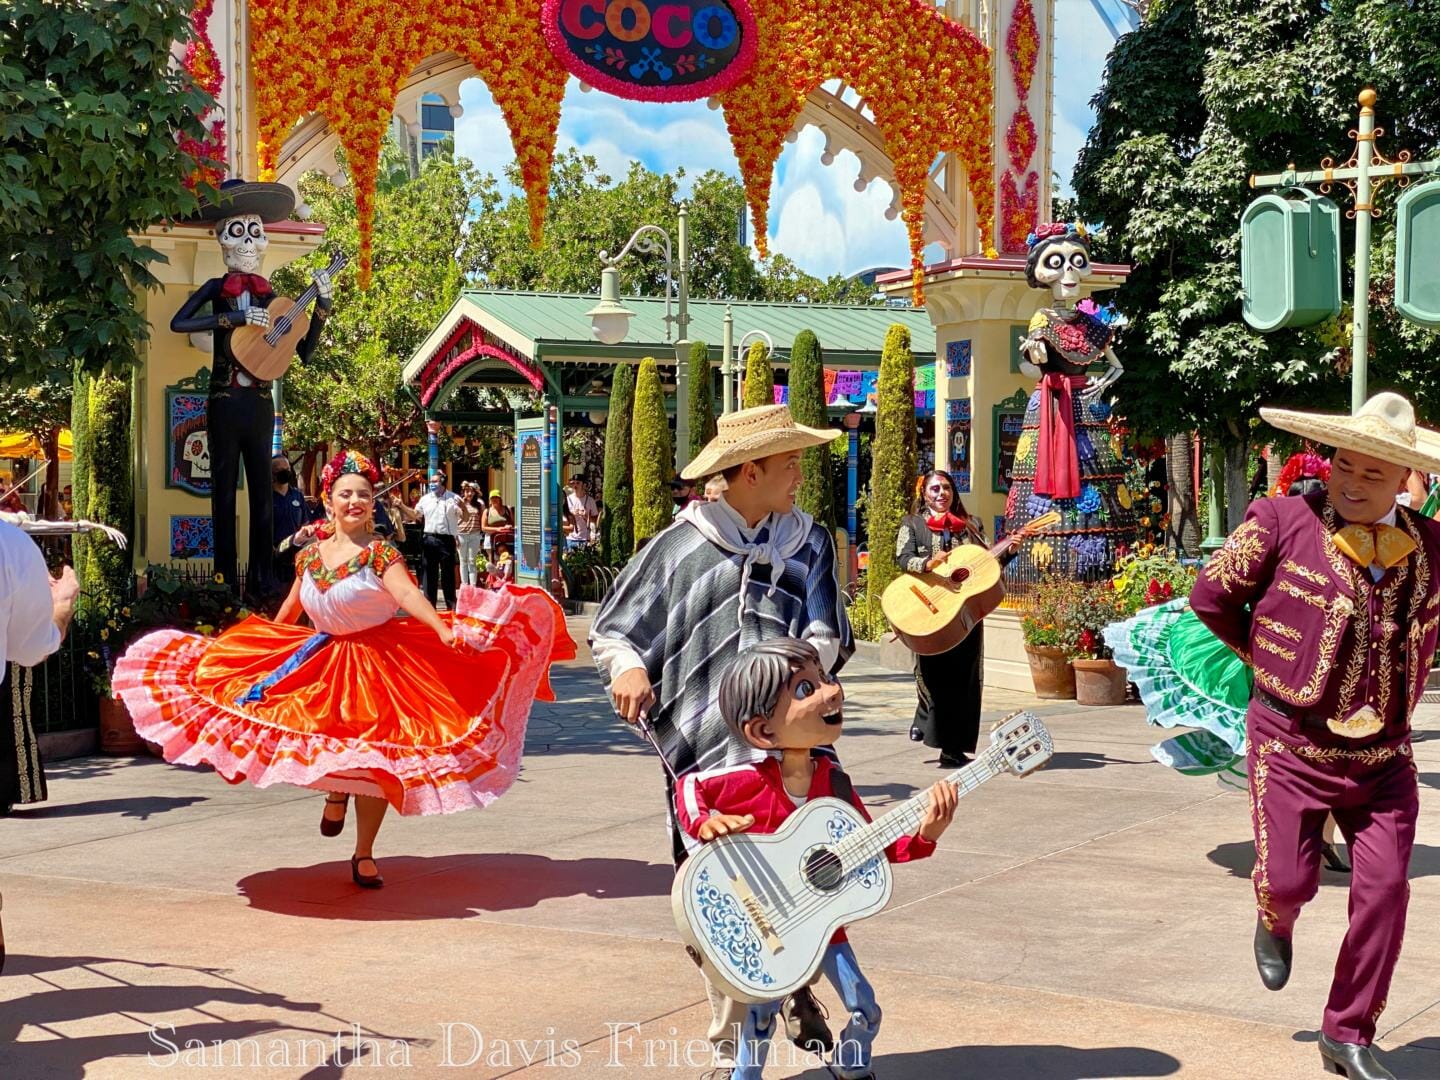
{"x":677,"y":608}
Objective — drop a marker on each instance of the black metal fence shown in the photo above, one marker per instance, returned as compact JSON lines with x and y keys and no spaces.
{"x":60,"y":694}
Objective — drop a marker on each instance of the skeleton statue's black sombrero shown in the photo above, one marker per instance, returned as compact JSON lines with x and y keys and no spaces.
{"x":272,"y":202}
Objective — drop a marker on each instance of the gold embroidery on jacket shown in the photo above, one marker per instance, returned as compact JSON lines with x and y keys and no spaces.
{"x":1315,"y":600}
{"x":1389,"y":605}
{"x":1360,"y":583}
{"x":1232,"y":565}
{"x":1312,"y":576}
{"x":1419,"y":592}
{"x":1370,"y":755}
{"x":1275,"y":626}
{"x":1271,"y":647}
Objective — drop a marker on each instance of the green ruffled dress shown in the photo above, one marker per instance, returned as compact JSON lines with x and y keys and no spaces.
{"x":1187,"y":678}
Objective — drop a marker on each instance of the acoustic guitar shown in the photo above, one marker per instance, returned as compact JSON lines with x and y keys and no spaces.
{"x":758,"y":909}
{"x":935,"y":611}
{"x":267,"y":353}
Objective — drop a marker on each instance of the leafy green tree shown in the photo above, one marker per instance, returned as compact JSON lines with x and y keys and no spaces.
{"x":651,"y":458}
{"x":618,"y":537}
{"x":702,"y":397}
{"x":807,"y":405}
{"x":93,"y":112}
{"x":349,"y":391}
{"x":1202,"y":95}
{"x":41,"y":410}
{"x":759,"y":386}
{"x":80,"y":464}
{"x":894,"y":462}
{"x":589,"y":212}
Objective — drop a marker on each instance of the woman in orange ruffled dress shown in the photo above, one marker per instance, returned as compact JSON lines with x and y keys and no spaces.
{"x":425,"y":714}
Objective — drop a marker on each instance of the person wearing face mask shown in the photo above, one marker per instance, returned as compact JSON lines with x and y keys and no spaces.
{"x":440,"y":510}
{"x":947,"y":714}
{"x":1333,"y":600}
{"x":292,"y":520}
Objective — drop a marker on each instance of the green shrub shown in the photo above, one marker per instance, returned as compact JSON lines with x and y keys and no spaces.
{"x":759,"y":377}
{"x":702,"y":398}
{"x":109,"y":499}
{"x":617,"y":537}
{"x":80,"y":465}
{"x":652,"y":460}
{"x":807,"y":405}
{"x":892,"y":478}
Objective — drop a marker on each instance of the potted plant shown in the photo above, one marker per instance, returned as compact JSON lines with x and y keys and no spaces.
{"x":169,"y":600}
{"x":1048,"y":628}
{"x":1098,"y":679}
{"x":1146,"y":577}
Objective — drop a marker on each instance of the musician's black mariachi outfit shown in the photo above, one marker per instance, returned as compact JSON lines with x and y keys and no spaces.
{"x":947,"y":714}
{"x":240,"y":419}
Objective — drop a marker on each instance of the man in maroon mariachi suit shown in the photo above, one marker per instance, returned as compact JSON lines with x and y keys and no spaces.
{"x":1335,"y":599}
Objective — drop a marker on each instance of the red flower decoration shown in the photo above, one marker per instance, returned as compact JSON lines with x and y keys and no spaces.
{"x":1020,"y":139}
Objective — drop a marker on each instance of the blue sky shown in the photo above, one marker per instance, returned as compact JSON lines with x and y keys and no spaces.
{"x":816,"y":216}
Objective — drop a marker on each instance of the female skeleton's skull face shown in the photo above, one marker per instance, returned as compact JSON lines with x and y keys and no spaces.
{"x":1062,"y":266}
{"x":242,"y":242}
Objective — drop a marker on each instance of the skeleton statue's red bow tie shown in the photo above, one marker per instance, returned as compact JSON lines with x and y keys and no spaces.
{"x":235,"y":284}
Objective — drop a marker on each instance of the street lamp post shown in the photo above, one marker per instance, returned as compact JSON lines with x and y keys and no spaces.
{"x":727,"y":363}
{"x":610,"y":319}
{"x":740,"y":352}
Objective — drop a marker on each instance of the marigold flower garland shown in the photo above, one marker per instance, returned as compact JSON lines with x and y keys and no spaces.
{"x":204,"y":67}
{"x":348,"y":59}
{"x":1020,"y":206}
{"x":925,"y":78}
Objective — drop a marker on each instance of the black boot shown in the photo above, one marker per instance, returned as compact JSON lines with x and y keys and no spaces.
{"x":1351,"y":1060}
{"x":805,"y":1023}
{"x":1272,"y":957}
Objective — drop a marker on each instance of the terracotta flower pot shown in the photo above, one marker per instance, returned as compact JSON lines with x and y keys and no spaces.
{"x":1099,"y":682}
{"x":117,"y":732}
{"x":1051,"y":672}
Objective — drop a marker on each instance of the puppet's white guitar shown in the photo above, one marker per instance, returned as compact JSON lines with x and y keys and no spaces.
{"x":759,"y":911}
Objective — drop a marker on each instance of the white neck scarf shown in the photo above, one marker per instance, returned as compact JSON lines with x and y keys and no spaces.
{"x":723,"y":526}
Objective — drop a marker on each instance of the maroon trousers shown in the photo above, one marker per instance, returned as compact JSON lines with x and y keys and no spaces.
{"x":1374,"y":796}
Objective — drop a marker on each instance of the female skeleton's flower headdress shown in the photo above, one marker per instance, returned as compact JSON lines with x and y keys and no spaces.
{"x":348,"y":462}
{"x":1058,"y":230}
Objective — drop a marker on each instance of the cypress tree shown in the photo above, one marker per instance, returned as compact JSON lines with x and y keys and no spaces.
{"x":759,"y":377}
{"x":617,"y":538}
{"x":80,"y":464}
{"x":807,"y":405}
{"x":110,"y":500}
{"x":651,"y":432}
{"x":702,"y":398}
{"x":894,"y":450}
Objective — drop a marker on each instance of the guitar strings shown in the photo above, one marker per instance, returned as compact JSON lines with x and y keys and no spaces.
{"x":283,"y":324}
{"x":874,"y":844}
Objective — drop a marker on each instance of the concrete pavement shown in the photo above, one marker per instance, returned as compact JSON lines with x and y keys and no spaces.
{"x":1092,"y":921}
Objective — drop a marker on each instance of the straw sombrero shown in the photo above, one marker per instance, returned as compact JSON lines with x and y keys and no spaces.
{"x":751,"y":434}
{"x":1384,"y":428}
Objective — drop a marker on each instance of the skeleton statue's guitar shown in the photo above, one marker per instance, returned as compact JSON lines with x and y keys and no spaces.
{"x":266,"y":352}
{"x":759,"y":910}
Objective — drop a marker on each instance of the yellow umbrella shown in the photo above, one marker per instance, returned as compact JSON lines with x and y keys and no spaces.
{"x":21,"y":444}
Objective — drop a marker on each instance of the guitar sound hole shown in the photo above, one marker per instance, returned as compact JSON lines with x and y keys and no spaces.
{"x":823,"y":870}
{"x":959,"y":576}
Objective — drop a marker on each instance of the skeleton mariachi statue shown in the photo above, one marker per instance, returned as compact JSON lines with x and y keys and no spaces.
{"x":1067,"y":459}
{"x":240,"y":414}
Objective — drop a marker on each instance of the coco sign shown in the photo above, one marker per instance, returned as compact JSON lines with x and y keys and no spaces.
{"x":653,"y":50}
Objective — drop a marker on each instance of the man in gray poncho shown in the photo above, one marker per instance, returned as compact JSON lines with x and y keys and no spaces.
{"x":726,"y":575}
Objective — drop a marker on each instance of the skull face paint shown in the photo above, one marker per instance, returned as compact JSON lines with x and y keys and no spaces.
{"x":1062,"y":266}
{"x":242,"y":242}
{"x":197,"y":453}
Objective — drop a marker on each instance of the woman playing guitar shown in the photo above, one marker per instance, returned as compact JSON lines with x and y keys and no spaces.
{"x":947,"y":715}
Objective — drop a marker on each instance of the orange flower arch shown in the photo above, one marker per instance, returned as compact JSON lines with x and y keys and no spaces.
{"x":926,"y":80}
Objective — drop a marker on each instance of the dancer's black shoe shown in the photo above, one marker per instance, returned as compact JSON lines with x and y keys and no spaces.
{"x":1335,"y":858}
{"x":1272,"y":957}
{"x":1351,"y":1060}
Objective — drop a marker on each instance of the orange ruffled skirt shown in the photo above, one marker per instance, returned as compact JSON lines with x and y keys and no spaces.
{"x":389,"y":711}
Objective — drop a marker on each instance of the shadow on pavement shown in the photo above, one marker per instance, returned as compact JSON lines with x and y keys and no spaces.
{"x":1084,"y":759}
{"x":1430,"y":779}
{"x":1021,"y":1063}
{"x":142,"y":809}
{"x":121,"y":1003}
{"x":450,"y":886}
{"x":1239,"y":859}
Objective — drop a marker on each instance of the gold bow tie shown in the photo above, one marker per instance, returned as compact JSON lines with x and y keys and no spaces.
{"x":1382,"y":545}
